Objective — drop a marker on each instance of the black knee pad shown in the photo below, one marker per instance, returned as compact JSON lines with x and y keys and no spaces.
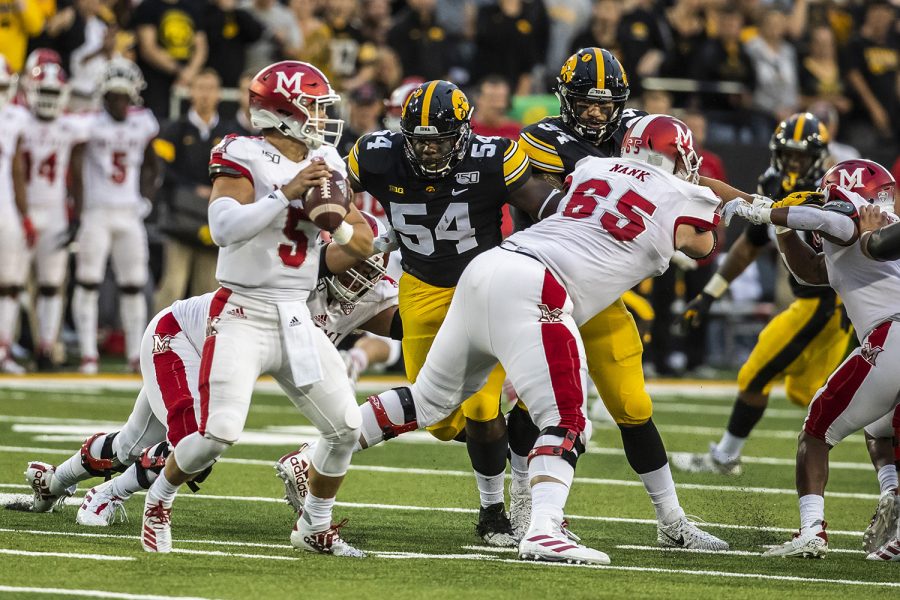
{"x":91,"y":287}
{"x":131,"y":289}
{"x":523,"y":433}
{"x":10,"y":290}
{"x":48,"y":290}
{"x":644,"y":448}
{"x":569,"y":450}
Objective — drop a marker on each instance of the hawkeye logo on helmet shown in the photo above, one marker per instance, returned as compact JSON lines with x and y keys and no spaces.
{"x":289,"y":85}
{"x":851,"y":180}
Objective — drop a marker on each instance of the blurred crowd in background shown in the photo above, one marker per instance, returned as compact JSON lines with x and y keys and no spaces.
{"x":732,"y":69}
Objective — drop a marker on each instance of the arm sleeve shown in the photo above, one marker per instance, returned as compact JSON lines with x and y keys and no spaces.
{"x":884,"y":244}
{"x":835,"y":224}
{"x":231,"y":222}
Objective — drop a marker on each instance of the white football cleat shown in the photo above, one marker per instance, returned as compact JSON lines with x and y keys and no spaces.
{"x":884,"y":522}
{"x":519,"y":508}
{"x":811,"y":542}
{"x":707,"y":462}
{"x":88,"y":366}
{"x":39,"y":475}
{"x":684,"y":533}
{"x":328,"y":541}
{"x":293,"y":470}
{"x":156,"y":529}
{"x":551,"y":542}
{"x":11,"y":367}
{"x":101,"y":508}
{"x":889,"y":552}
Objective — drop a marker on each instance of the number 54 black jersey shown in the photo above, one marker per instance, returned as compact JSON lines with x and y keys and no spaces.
{"x":441,"y":224}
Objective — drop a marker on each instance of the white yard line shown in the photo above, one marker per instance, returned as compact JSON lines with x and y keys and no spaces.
{"x":234,"y":554}
{"x":723,"y":552}
{"x":91,"y":593}
{"x":63,"y":555}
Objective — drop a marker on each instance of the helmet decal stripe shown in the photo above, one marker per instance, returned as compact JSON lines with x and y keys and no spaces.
{"x":601,"y":68}
{"x":798,"y":128}
{"x":426,"y":102}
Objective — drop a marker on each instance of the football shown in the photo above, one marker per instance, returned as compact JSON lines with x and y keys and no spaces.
{"x":326,"y":205}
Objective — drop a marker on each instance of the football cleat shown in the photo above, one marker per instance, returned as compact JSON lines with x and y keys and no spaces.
{"x":519,"y":508}
{"x":88,"y":366}
{"x":328,"y":541}
{"x":293,"y":470}
{"x":889,"y":552}
{"x":683,"y":533}
{"x":39,"y":475}
{"x":494,"y":527}
{"x":811,"y":542}
{"x":101,"y":508}
{"x":551,"y":542}
{"x":156,"y":529}
{"x":884,"y":522}
{"x":11,"y":367}
{"x":707,"y":462}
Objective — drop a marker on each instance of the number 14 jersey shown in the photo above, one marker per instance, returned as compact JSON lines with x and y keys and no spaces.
{"x":614,"y":228}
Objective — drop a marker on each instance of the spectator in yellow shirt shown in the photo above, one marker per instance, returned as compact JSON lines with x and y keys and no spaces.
{"x":19,"y":20}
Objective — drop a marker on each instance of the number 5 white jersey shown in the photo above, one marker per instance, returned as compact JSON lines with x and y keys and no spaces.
{"x":614,"y":228}
{"x":113,"y":157}
{"x":281,"y":262}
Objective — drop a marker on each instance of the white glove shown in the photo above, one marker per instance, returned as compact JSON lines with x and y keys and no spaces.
{"x":762,"y":201}
{"x":386,"y":242}
{"x":758,"y":214}
{"x":683,"y":261}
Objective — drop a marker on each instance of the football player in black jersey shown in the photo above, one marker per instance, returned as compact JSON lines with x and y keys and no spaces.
{"x":806,"y":341}
{"x":442,"y":188}
{"x":592,"y":88}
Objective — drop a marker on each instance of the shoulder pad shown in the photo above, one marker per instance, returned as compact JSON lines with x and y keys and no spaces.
{"x":516,"y":166}
{"x":538,"y":144}
{"x":373,"y":152}
{"x":844,"y":207}
{"x":231,"y":158}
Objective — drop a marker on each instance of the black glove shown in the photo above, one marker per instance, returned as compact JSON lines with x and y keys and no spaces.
{"x":696,"y":310}
{"x":70,"y":234}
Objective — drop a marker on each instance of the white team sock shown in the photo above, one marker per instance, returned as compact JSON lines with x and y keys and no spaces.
{"x":548,"y":499}
{"x":9,"y":310}
{"x":84,"y":311}
{"x":126,"y":484}
{"x":729,"y":447}
{"x":887,"y":478}
{"x":162,"y":491}
{"x":812,"y":509}
{"x":68,"y":474}
{"x":49,"y":316}
{"x":133,"y":313}
{"x":661,"y":488}
{"x":519,"y":468}
{"x":317,"y":512}
{"x":490,"y":488}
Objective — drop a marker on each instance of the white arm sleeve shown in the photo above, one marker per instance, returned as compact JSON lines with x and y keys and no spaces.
{"x":809,"y":218}
{"x":231,"y":222}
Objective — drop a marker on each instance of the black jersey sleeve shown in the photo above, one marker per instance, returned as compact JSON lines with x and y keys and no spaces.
{"x":371,"y":154}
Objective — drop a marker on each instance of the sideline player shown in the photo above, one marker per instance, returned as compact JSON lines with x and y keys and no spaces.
{"x":863,"y":392}
{"x":113,"y":173}
{"x":258,"y":320}
{"x":47,"y":143}
{"x":442,"y":188}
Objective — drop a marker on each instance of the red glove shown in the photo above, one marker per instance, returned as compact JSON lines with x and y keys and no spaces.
{"x":30,"y":232}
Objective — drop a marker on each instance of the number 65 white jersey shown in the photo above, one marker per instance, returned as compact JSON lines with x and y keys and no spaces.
{"x":614,"y":228}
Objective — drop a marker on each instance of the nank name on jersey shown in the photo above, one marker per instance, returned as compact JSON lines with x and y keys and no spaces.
{"x":554,"y":148}
{"x":47,"y":148}
{"x":114,"y":155}
{"x":441,"y":224}
{"x":13,"y":121}
{"x":282,"y":261}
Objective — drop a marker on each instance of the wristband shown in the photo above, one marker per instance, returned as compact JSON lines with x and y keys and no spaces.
{"x":780,"y":229}
{"x":716,"y":286}
{"x":279,"y":195}
{"x":342,"y":234}
{"x":765,"y":215}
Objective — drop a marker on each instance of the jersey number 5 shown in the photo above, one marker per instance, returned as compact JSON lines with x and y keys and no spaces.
{"x":624,"y":228}
{"x":293,"y":254}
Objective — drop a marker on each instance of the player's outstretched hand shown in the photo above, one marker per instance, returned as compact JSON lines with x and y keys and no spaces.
{"x":696,"y":311}
{"x":315,"y":174}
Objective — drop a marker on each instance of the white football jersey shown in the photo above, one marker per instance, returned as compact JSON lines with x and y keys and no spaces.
{"x":869,"y":288}
{"x":48,"y":148}
{"x":282,"y":261}
{"x":113,"y":157}
{"x":339,"y":319}
{"x":13,"y":121}
{"x":614,"y":228}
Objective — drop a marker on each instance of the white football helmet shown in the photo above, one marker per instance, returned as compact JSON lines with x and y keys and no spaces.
{"x":8,"y":81}
{"x":47,"y":90}
{"x":122,"y":76}
{"x":357,"y":281}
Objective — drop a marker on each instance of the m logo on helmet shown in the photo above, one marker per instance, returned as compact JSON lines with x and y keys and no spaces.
{"x":288,"y":85}
{"x":683,"y":138}
{"x":851,"y":180}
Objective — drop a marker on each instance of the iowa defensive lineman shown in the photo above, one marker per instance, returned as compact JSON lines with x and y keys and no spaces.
{"x":442,"y":187}
{"x":592,"y":88}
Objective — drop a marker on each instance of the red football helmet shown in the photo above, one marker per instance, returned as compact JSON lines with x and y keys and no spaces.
{"x":47,"y":90}
{"x":41,"y":56}
{"x":294,"y":97}
{"x":352,"y":285}
{"x":666,"y":142}
{"x":866,"y":178}
{"x":8,"y":81}
{"x":394,"y":105}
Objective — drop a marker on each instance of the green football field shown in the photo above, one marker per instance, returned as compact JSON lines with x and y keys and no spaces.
{"x":411,"y":504}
